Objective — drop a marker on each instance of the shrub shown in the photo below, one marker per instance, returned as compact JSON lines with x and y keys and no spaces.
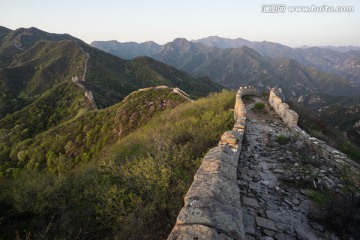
{"x":259,"y":106}
{"x":351,"y":150}
{"x":45,"y":206}
{"x":247,"y":98}
{"x":282,"y":139}
{"x":318,"y":197}
{"x":149,"y":193}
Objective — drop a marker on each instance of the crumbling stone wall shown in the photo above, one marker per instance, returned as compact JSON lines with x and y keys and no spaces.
{"x":333,"y":155}
{"x":289,"y":117}
{"x":212,"y":207}
{"x":178,"y":91}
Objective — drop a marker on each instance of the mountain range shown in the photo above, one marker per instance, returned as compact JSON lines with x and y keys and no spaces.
{"x":301,"y":73}
{"x":33,"y":61}
{"x":49,"y":79}
{"x":332,"y":60}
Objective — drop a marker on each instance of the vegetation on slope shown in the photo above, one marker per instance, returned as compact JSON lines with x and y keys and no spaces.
{"x":36,"y":71}
{"x":40,"y":141}
{"x":38,"y":94}
{"x":13,"y":43}
{"x":34,"y":61}
{"x":17,"y":130}
{"x":134,"y":191}
{"x":53,"y":140}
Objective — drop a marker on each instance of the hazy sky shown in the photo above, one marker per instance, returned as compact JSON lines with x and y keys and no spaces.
{"x":164,"y":20}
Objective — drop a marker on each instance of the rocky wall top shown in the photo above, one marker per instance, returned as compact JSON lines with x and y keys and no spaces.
{"x":212,"y":209}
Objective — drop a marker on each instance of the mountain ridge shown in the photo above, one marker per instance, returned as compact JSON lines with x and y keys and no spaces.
{"x":233,"y":67}
{"x":342,"y":64}
{"x":54,"y":81}
{"x":48,"y":59}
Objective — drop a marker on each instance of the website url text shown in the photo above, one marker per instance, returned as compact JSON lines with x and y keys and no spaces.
{"x":282,"y":8}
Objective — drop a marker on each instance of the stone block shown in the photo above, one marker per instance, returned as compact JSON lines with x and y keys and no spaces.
{"x":251,"y":202}
{"x":266,"y":223}
{"x":240,"y":130}
{"x":213,"y":186}
{"x":199,"y":232}
{"x":220,"y":166}
{"x":225,"y":153}
{"x":231,"y":138}
{"x":278,"y":217}
{"x":249,"y":224}
{"x":240,"y":124}
{"x":254,"y":186}
{"x":214,"y":214}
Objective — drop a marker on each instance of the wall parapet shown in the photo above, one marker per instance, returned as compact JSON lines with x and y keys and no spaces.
{"x":333,"y":155}
{"x":212,"y":207}
{"x":290,"y":118}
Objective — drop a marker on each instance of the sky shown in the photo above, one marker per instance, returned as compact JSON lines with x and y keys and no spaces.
{"x":164,"y":20}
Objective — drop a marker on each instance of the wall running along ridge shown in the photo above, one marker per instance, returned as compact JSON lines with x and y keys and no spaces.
{"x":177,"y":91}
{"x":212,"y":209}
{"x":290,"y":118}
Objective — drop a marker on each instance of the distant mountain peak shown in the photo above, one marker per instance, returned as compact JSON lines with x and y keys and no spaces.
{"x":180,"y":41}
{"x":222,"y":43}
{"x":210,"y":38}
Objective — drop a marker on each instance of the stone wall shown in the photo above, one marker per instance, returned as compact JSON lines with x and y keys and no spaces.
{"x":331,"y":154}
{"x":289,"y":117}
{"x":178,"y":91}
{"x":212,"y":207}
